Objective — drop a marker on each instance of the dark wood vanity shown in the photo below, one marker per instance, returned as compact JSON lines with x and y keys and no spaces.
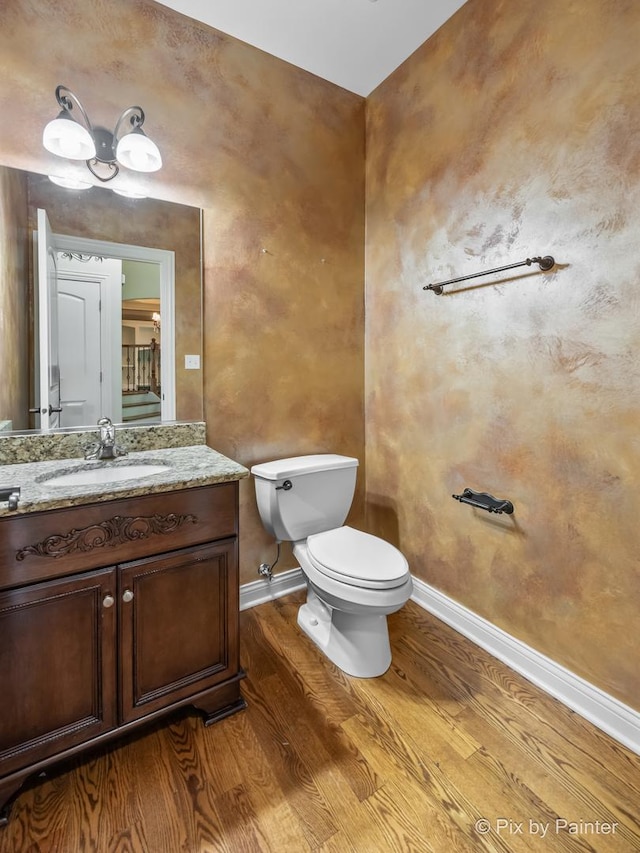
{"x":111,"y":615}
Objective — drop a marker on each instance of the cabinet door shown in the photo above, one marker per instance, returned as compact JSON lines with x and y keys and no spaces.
{"x":57,"y":666}
{"x":178,"y":626}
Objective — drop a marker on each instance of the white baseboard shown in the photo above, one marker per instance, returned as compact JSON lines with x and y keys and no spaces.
{"x":260,"y":591}
{"x":616,"y":719}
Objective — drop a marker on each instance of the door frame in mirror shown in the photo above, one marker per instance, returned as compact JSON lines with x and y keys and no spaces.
{"x":165,"y":259}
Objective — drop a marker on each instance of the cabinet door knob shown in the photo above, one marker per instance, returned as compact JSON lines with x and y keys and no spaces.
{"x":108,"y":601}
{"x":127,"y":596}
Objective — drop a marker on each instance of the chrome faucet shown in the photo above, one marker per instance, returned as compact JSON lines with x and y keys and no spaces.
{"x":106,"y":447}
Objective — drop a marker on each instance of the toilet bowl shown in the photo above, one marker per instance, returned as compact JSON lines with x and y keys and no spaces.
{"x":354,"y":580}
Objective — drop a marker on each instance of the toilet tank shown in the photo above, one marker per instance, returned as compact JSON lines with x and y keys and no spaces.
{"x":319,"y":497}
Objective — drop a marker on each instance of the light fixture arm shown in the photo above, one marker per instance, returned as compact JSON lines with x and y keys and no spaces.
{"x":106,"y":144}
{"x":136,"y":119}
{"x":67,"y":100}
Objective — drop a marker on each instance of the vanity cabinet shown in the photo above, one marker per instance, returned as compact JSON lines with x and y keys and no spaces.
{"x":112,"y":615}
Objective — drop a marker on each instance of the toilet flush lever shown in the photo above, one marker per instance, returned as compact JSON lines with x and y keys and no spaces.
{"x":286,"y":486}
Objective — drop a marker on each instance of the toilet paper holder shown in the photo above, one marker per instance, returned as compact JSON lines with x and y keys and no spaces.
{"x":483,"y":500}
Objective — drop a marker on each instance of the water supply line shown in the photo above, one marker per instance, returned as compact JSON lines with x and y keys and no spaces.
{"x":267,"y":570}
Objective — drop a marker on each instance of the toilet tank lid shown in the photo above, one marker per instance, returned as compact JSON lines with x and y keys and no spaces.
{"x":282,"y":468}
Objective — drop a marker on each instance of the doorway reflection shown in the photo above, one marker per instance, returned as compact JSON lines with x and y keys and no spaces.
{"x":141,"y":343}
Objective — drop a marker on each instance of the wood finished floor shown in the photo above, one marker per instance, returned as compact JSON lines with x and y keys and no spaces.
{"x":320,"y":761}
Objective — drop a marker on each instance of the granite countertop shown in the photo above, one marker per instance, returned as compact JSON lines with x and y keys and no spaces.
{"x":196,"y":465}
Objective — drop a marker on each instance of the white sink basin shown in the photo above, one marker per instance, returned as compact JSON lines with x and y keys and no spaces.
{"x":104,"y":475}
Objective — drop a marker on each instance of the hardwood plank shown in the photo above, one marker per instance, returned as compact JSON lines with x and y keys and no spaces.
{"x":129,"y":840}
{"x":438,"y":642}
{"x":405,"y":769}
{"x":240,"y":823}
{"x":280,"y":826}
{"x":195,"y":753}
{"x":338,"y":843}
{"x":324,"y":747}
{"x":146,"y":781}
{"x":429,"y":719}
{"x":436,"y":784}
{"x":257,"y":654}
{"x":294,"y":776}
{"x":41,"y":819}
{"x":582,"y":772}
{"x":507,"y":765}
{"x":526,"y":808}
{"x":305,"y":660}
{"x":400,"y":825}
{"x":318,"y":679}
{"x":419,"y":712}
{"x":318,"y":718}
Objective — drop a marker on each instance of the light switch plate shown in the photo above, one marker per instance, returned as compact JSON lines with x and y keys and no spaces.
{"x":192,"y":362}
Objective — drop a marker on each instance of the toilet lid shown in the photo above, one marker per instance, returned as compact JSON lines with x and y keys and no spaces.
{"x":357,"y":558}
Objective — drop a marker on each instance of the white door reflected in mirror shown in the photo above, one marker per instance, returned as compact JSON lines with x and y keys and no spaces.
{"x":89,"y":324}
{"x":83,"y":369}
{"x":47,"y":340}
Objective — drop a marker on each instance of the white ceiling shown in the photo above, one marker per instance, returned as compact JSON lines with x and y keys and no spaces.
{"x":353,"y":43}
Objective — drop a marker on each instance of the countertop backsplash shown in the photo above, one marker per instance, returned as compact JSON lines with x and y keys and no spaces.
{"x":47,"y":446}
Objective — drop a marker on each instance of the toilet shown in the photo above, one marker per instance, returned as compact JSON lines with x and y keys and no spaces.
{"x":354,"y":579}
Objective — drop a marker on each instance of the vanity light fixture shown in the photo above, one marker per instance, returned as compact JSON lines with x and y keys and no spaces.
{"x":103,"y":151}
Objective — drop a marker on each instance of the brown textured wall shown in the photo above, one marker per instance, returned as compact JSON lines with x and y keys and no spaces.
{"x":102,"y":215}
{"x":275,"y":157}
{"x":14,"y":249}
{"x":512,"y":133}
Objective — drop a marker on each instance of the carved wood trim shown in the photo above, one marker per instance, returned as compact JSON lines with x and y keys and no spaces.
{"x":114,"y":531}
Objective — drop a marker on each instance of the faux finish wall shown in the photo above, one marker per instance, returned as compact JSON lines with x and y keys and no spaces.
{"x":14,"y":303}
{"x":275,"y":156}
{"x":512,"y":133}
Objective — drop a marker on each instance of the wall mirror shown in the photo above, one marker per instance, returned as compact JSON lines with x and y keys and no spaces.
{"x":112,"y":306}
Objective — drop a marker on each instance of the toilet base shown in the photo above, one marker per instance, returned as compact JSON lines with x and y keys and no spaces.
{"x":357,"y":643}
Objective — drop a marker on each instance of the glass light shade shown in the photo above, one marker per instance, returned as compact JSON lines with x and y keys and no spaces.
{"x":136,"y":151}
{"x":66,"y":138}
{"x":128,"y":193}
{"x":69,"y":183}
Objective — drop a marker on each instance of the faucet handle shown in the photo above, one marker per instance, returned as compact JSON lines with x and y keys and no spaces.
{"x":91,"y":450}
{"x":107,"y":430}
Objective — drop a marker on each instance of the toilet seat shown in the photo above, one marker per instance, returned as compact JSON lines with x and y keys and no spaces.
{"x":357,"y":558}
